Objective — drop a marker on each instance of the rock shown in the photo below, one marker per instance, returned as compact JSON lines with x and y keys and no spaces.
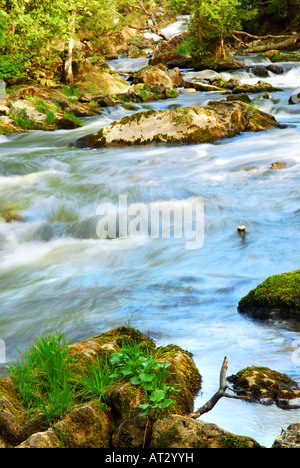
{"x":93,"y":79}
{"x":277,"y":296}
{"x":229,"y":65}
{"x":15,"y":426}
{"x":260,"y":87}
{"x":294,"y":98}
{"x":209,"y":75}
{"x":198,"y":86}
{"x":89,"y":425}
{"x":232,"y":83}
{"x":266,"y":386}
{"x":278,"y":165}
{"x":130,"y":427}
{"x":176,"y":77}
{"x":172,"y":59}
{"x":85,"y":427}
{"x":213,"y":122}
{"x":182,"y":432}
{"x":40,"y":440}
{"x":275,"y":69}
{"x":260,"y":71}
{"x":290,"y":438}
{"x":35,"y":108}
{"x":271,"y":53}
{"x":147,"y":93}
{"x":4,"y":110}
{"x":190,"y":90}
{"x":154,"y":76}
{"x":239,"y":97}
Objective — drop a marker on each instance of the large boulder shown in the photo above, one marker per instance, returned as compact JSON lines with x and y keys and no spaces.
{"x":118,"y":420}
{"x":38,"y":108}
{"x":278,"y":295}
{"x":213,"y":122}
{"x":182,"y":432}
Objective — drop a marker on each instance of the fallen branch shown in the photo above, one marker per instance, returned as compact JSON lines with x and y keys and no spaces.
{"x":288,"y":42}
{"x":217,"y":396}
{"x":269,"y":36}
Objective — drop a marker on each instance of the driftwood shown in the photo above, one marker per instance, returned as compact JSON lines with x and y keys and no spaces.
{"x":217,"y":396}
{"x":285,"y":44}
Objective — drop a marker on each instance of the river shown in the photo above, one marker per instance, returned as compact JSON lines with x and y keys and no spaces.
{"x":56,"y":274}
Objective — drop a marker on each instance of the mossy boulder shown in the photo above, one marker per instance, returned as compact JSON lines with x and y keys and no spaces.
{"x":183,"y":432}
{"x":215,"y":121}
{"x":266,"y":386}
{"x":39,"y":108}
{"x":117,"y":419}
{"x":15,"y":425}
{"x":260,"y":87}
{"x":278,"y":295}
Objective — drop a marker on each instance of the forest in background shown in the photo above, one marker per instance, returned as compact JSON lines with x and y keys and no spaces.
{"x":43,"y":34}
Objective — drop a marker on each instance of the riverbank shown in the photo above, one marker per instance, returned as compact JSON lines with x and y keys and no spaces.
{"x":115,"y":390}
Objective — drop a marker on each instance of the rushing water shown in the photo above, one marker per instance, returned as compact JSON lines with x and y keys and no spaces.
{"x":56,"y":274}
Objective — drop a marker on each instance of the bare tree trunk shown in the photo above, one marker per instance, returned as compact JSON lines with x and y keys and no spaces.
{"x":199,"y":23}
{"x":217,"y":396}
{"x":68,"y":68}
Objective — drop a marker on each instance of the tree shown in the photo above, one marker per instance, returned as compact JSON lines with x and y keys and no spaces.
{"x":38,"y":32}
{"x":213,"y":21}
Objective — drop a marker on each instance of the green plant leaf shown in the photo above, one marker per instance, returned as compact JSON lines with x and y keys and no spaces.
{"x":135,"y":380}
{"x":146,"y":377}
{"x":157,"y":395}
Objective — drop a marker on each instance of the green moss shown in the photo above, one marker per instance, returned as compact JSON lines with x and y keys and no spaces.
{"x":232,"y":441}
{"x":279,"y":292}
{"x":168,"y":437}
{"x":261,"y":384}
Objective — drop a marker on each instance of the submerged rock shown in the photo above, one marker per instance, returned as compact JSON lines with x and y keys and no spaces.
{"x":213,"y":122}
{"x":278,"y":296}
{"x":184,"y":432}
{"x":266,"y":386}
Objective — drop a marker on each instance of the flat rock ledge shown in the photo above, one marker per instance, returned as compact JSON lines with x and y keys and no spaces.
{"x":187,"y":125}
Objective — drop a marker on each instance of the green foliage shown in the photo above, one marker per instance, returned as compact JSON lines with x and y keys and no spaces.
{"x":21,"y":120}
{"x":43,"y":378}
{"x":255,"y":11}
{"x":181,"y":7}
{"x":3,"y":27}
{"x":140,"y":367}
{"x":37,"y":30}
{"x":48,"y":380}
{"x":96,"y":380}
{"x":50,"y":118}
